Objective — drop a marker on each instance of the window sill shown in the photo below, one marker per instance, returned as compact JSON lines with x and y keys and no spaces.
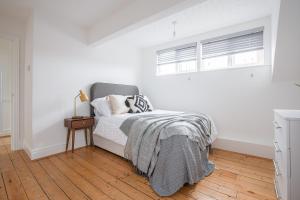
{"x":174,"y":74}
{"x":235,"y":68}
{"x":214,"y":70}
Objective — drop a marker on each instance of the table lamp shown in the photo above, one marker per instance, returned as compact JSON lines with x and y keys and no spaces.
{"x":83,"y":97}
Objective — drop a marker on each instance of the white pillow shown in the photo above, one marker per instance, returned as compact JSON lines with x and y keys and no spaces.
{"x":102,"y":107}
{"x":117,"y":103}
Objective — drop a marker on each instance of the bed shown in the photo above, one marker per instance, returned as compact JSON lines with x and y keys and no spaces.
{"x":108,"y":135}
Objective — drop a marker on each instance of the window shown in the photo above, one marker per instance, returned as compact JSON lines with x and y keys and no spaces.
{"x":242,"y":49}
{"x":181,"y":59}
{"x":231,"y":51}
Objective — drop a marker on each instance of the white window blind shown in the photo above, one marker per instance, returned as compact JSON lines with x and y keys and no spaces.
{"x":180,"y":59}
{"x":231,"y":44}
{"x":177,"y":54}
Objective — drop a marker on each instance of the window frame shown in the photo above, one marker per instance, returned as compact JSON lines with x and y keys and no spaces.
{"x":230,"y":65}
{"x":267,"y":53}
{"x":176,"y":63}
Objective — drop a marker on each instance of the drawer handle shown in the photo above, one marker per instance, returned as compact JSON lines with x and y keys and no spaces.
{"x":276,"y":146}
{"x":277,"y":171}
{"x":276,"y":190}
{"x":276,"y":125}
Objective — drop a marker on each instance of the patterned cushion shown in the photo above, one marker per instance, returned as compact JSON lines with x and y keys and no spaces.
{"x":137,"y":104}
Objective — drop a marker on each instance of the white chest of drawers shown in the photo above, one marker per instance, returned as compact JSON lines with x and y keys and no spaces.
{"x":287,"y":154}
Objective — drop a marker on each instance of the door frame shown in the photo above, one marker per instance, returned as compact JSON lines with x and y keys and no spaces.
{"x":16,"y":142}
{"x":16,"y":138}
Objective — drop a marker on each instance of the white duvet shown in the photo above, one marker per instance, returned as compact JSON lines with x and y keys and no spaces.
{"x":108,"y":127}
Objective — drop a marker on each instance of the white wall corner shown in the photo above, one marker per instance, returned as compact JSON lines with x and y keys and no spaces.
{"x":27,"y":149}
{"x":286,"y":60}
{"x":259,"y":150}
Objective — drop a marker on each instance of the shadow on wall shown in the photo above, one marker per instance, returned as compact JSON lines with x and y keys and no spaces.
{"x":63,"y":26}
{"x":54,"y":134}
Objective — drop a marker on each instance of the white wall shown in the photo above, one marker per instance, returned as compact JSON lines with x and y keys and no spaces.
{"x":287,"y":55}
{"x":5,"y":85}
{"x":62,"y":65}
{"x":241,"y":105}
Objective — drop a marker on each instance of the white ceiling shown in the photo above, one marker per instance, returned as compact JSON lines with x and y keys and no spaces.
{"x":83,"y":13}
{"x":204,"y":17}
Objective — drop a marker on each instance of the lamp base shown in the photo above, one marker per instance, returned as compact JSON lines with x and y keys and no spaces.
{"x":77,"y":117}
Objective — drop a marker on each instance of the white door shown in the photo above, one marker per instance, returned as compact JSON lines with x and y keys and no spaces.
{"x":5,"y":86}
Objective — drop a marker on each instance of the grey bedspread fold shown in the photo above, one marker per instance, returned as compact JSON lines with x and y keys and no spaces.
{"x":170,"y":149}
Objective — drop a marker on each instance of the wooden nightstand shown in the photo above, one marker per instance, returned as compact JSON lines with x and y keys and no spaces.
{"x":85,"y":123}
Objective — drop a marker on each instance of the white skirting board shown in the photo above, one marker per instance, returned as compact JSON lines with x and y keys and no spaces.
{"x":220,"y":143}
{"x":244,"y":147}
{"x":37,"y":153}
{"x":27,"y":149}
{"x":59,"y":148}
{"x":5,"y":133}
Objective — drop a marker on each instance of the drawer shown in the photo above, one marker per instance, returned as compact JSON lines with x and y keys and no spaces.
{"x":278,"y":158}
{"x":277,"y":162}
{"x":281,"y":188}
{"x":281,"y":132}
{"x":277,"y":186}
{"x":82,"y":123}
{"x":281,"y":175}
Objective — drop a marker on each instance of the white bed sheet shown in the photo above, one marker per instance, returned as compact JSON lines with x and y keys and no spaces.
{"x":108,"y":127}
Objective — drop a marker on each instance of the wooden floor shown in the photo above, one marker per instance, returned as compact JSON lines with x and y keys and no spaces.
{"x":92,"y":173}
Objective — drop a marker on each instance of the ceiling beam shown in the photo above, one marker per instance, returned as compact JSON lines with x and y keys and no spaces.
{"x":134,"y":16}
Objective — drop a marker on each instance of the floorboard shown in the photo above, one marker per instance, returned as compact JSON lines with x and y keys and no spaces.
{"x":31,"y":186}
{"x":90,"y":190}
{"x":95,"y":180}
{"x":62,"y":181}
{"x":93,"y":174}
{"x":115,"y":182}
{"x":3,"y":194}
{"x":49,"y":186}
{"x":13,"y":186}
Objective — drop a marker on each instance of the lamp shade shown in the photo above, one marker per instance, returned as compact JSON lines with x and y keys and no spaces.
{"x":83,"y":97}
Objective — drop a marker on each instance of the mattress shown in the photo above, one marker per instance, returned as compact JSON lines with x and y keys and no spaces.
{"x":108,"y":127}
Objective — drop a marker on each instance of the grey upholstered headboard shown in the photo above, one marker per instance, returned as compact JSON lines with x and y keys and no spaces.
{"x":99,"y":90}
